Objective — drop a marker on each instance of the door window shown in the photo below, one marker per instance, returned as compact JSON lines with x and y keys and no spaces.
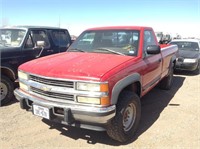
{"x":40,"y":35}
{"x":149,"y":39}
{"x":29,"y":43}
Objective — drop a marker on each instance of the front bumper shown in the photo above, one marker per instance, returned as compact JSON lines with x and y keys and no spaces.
{"x":89,"y":117}
{"x":186,"y":66}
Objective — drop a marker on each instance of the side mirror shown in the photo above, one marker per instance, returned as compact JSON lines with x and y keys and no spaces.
{"x":153,"y":49}
{"x":40,"y":44}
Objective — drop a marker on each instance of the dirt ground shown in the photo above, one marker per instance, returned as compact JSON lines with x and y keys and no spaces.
{"x":170,"y":120}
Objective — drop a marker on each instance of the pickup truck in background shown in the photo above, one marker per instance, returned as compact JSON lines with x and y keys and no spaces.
{"x":20,"y":44}
{"x":97,"y":84}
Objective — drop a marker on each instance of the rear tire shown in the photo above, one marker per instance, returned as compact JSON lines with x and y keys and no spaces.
{"x":166,"y":83}
{"x":6,"y":90}
{"x":123,"y":126}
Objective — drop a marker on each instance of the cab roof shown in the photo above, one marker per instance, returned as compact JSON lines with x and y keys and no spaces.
{"x":31,"y":27}
{"x":120,"y":27}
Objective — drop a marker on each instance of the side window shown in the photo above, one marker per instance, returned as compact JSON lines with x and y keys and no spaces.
{"x":29,"y":42}
{"x":40,"y":35}
{"x":148,"y":39}
{"x":60,"y":38}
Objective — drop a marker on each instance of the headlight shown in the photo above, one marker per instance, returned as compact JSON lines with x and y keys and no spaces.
{"x":190,"y":60}
{"x":22,"y":75}
{"x":23,"y":86}
{"x":96,"y":87}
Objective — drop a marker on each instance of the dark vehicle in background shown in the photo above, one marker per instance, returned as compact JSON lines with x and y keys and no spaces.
{"x":24,"y":43}
{"x":188,"y":55}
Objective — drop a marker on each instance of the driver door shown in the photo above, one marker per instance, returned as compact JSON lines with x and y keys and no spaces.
{"x":153,"y":62}
{"x":31,"y":50}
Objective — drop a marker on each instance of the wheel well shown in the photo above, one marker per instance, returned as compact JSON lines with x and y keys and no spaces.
{"x":9,"y":73}
{"x":134,"y":87}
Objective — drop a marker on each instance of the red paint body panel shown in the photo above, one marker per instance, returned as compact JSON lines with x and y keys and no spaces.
{"x":120,"y":27}
{"x":75,"y":65}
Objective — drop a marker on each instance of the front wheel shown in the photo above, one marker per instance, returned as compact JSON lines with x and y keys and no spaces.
{"x":123,"y":126}
{"x":6,"y":90}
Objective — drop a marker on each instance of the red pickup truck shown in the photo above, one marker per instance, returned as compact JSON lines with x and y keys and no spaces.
{"x":97,"y":84}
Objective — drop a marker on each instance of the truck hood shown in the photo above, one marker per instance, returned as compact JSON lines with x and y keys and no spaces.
{"x":75,"y":65}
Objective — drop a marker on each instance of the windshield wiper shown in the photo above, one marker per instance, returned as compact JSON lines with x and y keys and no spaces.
{"x":76,"y":49}
{"x":109,"y":50}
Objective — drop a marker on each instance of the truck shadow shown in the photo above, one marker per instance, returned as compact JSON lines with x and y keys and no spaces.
{"x":13,"y":101}
{"x":155,"y":102}
{"x":152,"y":103}
{"x":185,"y":73}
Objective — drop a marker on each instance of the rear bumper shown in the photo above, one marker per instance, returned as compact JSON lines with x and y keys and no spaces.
{"x":94,"y":118}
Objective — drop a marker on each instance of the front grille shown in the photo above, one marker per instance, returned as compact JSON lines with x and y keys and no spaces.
{"x":68,"y":84}
{"x":51,"y":94}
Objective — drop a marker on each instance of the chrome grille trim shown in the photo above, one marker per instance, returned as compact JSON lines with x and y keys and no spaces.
{"x":57,"y":89}
{"x":68,"y":84}
{"x":52,"y":94}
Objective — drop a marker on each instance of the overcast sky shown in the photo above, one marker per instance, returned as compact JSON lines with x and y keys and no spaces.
{"x":172,"y":16}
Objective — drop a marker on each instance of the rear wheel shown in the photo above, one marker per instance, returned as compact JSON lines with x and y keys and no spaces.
{"x":166,"y":83}
{"x":6,"y":90}
{"x":123,"y":126}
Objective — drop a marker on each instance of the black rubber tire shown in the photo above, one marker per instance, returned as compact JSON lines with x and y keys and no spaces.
{"x":7,"y":84}
{"x":115,"y":128}
{"x":166,"y":83}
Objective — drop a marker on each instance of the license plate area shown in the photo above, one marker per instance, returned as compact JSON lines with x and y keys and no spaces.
{"x":41,"y":111}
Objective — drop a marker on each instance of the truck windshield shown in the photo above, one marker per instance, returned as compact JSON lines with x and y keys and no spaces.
{"x":11,"y":37}
{"x":122,"y":42}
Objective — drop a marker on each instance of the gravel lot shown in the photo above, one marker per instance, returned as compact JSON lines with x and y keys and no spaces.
{"x":170,"y":119}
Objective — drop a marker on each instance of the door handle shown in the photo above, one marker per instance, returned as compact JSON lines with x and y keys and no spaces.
{"x":49,"y":50}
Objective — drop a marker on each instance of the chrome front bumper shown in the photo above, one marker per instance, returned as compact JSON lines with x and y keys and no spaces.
{"x":89,"y":117}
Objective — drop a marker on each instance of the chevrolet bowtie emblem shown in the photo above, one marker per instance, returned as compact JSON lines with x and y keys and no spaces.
{"x":44,"y":88}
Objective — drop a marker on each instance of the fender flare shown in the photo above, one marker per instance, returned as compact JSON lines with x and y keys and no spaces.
{"x":121,"y":84}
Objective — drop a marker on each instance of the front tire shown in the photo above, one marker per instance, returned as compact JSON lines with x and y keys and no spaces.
{"x":6,"y":90}
{"x":123,"y":126}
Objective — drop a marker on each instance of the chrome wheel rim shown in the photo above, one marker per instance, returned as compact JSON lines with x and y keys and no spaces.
{"x":129,"y":117}
{"x":3,"y":90}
